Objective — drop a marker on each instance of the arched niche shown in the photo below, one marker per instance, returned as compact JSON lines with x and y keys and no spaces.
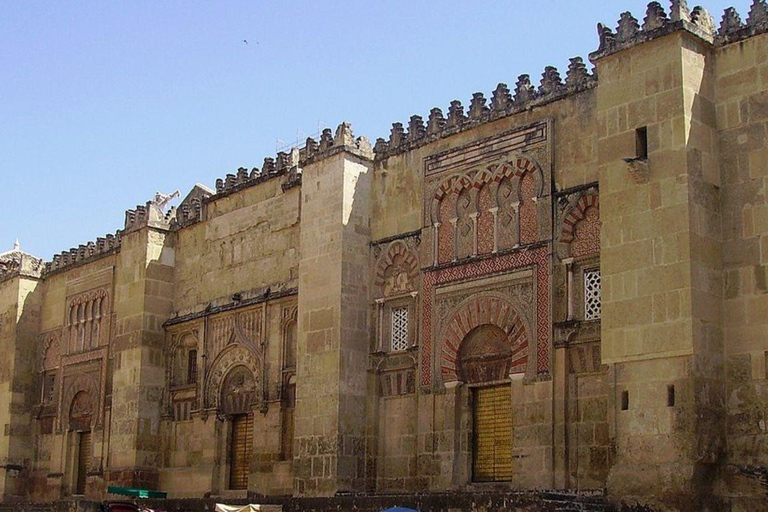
{"x":238,"y":391}
{"x":81,"y":411}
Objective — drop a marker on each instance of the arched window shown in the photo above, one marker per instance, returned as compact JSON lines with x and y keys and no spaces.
{"x":184,"y":370}
{"x":291,"y":341}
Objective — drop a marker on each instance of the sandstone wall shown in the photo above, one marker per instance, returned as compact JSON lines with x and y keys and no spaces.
{"x":742,"y":115}
{"x":248,"y":241}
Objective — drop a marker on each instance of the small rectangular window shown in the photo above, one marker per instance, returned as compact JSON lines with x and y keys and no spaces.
{"x":192,"y":367}
{"x":625,"y":400}
{"x":592,"y":298}
{"x":399,"y":329}
{"x":671,"y":395}
{"x":641,"y":143}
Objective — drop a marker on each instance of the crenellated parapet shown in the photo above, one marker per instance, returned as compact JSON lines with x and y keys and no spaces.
{"x":287,"y":165}
{"x":732,"y":29}
{"x":150,"y":214}
{"x":630,"y":31}
{"x":503,"y":102}
{"x":190,"y":211}
{"x":656,"y":23}
{"x":84,"y":253}
{"x":331,"y":144}
{"x":281,"y":165}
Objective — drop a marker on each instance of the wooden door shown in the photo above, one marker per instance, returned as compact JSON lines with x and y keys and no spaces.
{"x":84,"y":451}
{"x":492,"y":448}
{"x":240,"y":451}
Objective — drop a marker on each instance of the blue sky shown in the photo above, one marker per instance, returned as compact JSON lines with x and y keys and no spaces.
{"x":104,"y":103}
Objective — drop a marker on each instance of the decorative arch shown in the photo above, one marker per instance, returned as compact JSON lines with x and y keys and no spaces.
{"x":484,"y":177}
{"x":581,"y":226}
{"x":87,"y":312}
{"x":397,"y":269}
{"x":487,"y":209}
{"x":82,"y":383}
{"x":474,"y":313}
{"x":230,"y":357}
{"x":528,"y":209}
{"x":484,"y":210}
{"x":445,"y":188}
{"x":81,"y":411}
{"x":519,"y":167}
{"x":484,"y":355}
{"x":289,"y":330}
{"x":50,"y":351}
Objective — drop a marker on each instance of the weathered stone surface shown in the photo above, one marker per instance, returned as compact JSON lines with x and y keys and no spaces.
{"x":332,"y":325}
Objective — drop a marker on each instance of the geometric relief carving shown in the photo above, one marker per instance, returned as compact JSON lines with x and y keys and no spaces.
{"x":507,"y":204}
{"x":592,"y":299}
{"x":529,"y":223}
{"x":465,"y":226}
{"x":400,"y":338}
{"x":486,"y":219}
{"x":586,"y":240}
{"x":243,"y":327}
{"x":222,"y":328}
{"x":447,"y":228}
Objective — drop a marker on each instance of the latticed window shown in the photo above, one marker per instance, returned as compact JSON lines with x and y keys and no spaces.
{"x":592,"y":301}
{"x":400,"y":329}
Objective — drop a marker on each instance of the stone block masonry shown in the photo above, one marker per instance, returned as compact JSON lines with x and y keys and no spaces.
{"x":558,"y":285}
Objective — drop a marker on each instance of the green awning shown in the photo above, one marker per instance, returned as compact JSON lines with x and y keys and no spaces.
{"x":137,"y":493}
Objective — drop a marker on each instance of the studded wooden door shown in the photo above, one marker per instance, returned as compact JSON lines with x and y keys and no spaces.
{"x":492,"y":447}
{"x":84,"y":451}
{"x":240,"y":451}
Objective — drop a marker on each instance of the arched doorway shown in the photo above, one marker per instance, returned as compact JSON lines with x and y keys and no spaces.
{"x":80,"y":416}
{"x":238,"y":394}
{"x":485,"y":359}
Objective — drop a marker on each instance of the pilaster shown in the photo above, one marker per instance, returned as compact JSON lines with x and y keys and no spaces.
{"x":333,"y":332}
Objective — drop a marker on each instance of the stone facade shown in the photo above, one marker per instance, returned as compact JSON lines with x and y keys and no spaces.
{"x":562,"y":287}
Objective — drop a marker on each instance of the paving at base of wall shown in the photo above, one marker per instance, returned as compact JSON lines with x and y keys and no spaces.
{"x":442,"y":502}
